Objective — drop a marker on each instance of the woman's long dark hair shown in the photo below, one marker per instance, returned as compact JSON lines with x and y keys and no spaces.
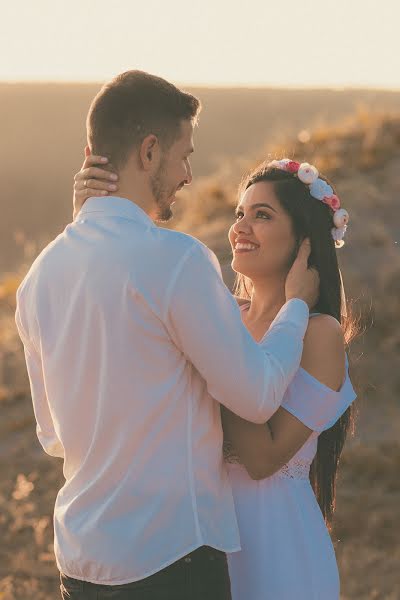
{"x":313,"y":219}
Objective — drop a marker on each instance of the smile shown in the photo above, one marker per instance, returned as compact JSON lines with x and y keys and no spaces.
{"x":245,"y":247}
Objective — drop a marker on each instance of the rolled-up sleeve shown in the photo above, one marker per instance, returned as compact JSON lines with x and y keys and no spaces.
{"x":45,"y":427}
{"x":204,"y":321}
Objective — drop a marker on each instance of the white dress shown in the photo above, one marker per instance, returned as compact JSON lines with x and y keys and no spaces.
{"x":287,"y":553}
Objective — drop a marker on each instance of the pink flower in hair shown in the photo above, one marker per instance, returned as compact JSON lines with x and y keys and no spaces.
{"x":332,"y":201}
{"x":293,"y":166}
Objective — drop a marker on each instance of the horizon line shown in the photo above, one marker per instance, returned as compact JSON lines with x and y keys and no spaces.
{"x":220,"y":86}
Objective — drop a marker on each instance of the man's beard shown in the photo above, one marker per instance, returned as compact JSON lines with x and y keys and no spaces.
{"x":161,"y":193}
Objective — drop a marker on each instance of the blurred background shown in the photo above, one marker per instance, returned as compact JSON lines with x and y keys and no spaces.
{"x":318,"y":82}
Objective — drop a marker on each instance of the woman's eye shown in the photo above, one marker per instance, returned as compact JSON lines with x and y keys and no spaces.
{"x":263,"y":215}
{"x":239,"y":215}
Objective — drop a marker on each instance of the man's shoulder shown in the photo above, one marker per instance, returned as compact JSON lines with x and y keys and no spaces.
{"x":37,"y":265}
{"x":184,"y":243}
{"x":184,"y":240}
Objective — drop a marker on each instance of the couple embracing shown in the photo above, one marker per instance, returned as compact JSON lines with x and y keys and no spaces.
{"x":200,"y":432}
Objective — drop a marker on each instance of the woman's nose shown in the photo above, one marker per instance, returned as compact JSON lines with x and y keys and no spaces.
{"x":241,"y":226}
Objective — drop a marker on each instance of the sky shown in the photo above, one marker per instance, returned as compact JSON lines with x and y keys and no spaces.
{"x":308,"y":43}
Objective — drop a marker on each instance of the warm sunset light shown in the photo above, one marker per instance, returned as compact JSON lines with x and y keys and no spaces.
{"x":220,"y":42}
{"x":196,"y":402}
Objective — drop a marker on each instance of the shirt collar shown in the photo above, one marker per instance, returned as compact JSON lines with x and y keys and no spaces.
{"x":114,"y":206}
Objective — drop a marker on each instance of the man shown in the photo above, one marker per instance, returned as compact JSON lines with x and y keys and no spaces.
{"x":132,"y":340}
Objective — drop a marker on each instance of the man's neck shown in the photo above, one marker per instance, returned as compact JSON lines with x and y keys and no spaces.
{"x":138,"y":195}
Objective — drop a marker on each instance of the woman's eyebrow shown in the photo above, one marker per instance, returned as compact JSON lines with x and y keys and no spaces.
{"x":258,"y":205}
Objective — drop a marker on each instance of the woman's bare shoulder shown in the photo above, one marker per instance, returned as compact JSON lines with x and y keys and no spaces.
{"x":324,"y":351}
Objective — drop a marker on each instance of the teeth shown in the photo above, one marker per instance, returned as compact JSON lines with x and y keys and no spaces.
{"x":245,"y":247}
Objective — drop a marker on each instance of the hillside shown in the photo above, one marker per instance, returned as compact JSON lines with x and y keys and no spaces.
{"x":43,"y":136}
{"x":361,"y":155}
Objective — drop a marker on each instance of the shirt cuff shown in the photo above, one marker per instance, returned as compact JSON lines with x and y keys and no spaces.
{"x":299,"y":304}
{"x":296,"y":313}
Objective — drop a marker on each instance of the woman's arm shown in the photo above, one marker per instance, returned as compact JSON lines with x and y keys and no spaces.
{"x":264,"y":449}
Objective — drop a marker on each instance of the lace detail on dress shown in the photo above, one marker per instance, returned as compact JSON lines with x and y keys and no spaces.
{"x":230,"y":455}
{"x":295,"y":469}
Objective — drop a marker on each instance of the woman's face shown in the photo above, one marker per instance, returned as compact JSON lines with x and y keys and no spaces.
{"x":262,"y":237}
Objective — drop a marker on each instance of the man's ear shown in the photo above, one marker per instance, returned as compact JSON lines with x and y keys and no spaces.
{"x":150,"y":152}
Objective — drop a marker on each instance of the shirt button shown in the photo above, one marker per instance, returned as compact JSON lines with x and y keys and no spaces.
{"x":188,"y":559}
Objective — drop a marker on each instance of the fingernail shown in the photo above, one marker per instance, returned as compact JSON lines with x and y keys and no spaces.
{"x":104,"y":159}
{"x":104,"y":193}
{"x":114,"y":177}
{"x":112,"y":187}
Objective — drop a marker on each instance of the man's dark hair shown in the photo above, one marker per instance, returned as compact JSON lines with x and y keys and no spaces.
{"x":130,"y":107}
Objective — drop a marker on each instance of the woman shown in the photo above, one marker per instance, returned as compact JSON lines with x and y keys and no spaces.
{"x":283,"y":473}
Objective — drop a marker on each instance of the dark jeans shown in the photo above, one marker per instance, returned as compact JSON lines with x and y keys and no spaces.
{"x":201,"y":575}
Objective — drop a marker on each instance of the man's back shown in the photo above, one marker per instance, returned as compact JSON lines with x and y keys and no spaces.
{"x":118,"y":400}
{"x":129,"y":335}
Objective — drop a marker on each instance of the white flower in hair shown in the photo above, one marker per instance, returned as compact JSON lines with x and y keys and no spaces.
{"x":275,"y":164}
{"x":338,"y":235}
{"x":307,"y":173}
{"x":279,"y":164}
{"x":341,"y":217}
{"x":319,"y":189}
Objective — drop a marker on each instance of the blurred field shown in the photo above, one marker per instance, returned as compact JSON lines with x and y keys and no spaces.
{"x":361,"y":154}
{"x":43,"y":135}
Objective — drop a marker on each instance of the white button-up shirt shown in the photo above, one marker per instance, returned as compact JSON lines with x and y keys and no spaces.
{"x":132,"y":340}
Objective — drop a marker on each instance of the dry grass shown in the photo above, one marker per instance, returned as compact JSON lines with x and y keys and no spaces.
{"x":363,"y":158}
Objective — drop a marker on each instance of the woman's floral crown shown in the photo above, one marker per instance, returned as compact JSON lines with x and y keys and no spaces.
{"x":320,"y":190}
